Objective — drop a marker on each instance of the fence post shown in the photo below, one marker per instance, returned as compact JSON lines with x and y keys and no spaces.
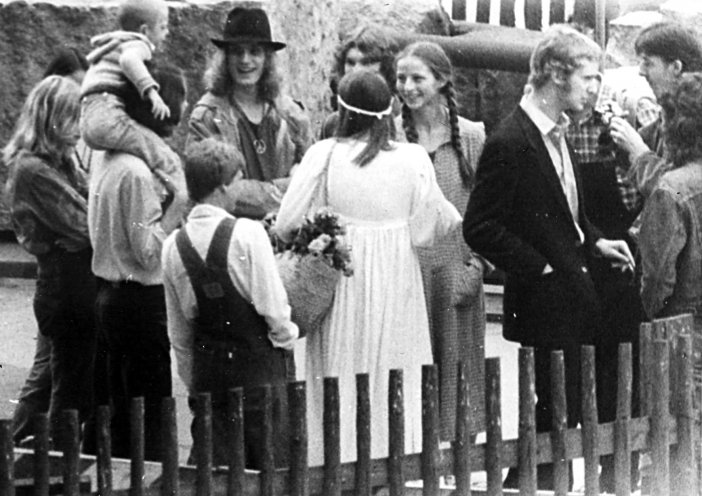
{"x":7,"y":459}
{"x":660,"y":450}
{"x":588,"y":396}
{"x":430,"y":430}
{"x":483,"y":11}
{"x":556,"y":12}
{"x":507,"y":17}
{"x":169,"y":463}
{"x":41,"y":454}
{"x":363,"y":436}
{"x":136,"y":446}
{"x":683,"y":459}
{"x":561,"y":478}
{"x":396,"y":434}
{"x":268,"y":465}
{"x":237,"y":458}
{"x":533,"y":14}
{"x":71,"y":452}
{"x":297,"y":402}
{"x":622,"y":436}
{"x":104,"y":451}
{"x":527,"y":422}
{"x":493,"y":413}
{"x":203,"y":444}
{"x":463,"y":444}
{"x":645,"y":361}
{"x":332,"y":442}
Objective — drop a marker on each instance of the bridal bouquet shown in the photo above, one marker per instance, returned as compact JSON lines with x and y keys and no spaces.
{"x":311,"y":266}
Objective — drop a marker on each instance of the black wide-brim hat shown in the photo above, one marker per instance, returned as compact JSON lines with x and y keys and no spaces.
{"x":247,"y":26}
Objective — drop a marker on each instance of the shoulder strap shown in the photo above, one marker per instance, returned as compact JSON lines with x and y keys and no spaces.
{"x":219,"y":246}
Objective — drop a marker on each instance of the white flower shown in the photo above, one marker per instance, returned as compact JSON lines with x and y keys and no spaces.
{"x":320,"y":243}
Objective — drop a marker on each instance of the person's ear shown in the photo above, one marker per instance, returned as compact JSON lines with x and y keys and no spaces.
{"x":559,"y":78}
{"x":677,"y":67}
{"x":143,"y":29}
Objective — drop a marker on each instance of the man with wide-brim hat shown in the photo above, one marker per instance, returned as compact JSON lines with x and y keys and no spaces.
{"x":243,"y":107}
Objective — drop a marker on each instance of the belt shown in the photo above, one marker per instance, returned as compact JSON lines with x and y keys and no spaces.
{"x":127,"y":284}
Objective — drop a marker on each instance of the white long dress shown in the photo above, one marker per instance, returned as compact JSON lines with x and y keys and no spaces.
{"x":378,"y":321}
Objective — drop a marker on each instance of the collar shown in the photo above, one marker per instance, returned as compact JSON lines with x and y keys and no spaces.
{"x":203,"y":210}
{"x":543,"y":122}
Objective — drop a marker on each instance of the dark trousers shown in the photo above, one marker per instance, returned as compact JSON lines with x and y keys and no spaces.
{"x":544,"y":404}
{"x":132,"y":319}
{"x":64,"y":308}
{"x":218,"y":370}
{"x":35,"y":396}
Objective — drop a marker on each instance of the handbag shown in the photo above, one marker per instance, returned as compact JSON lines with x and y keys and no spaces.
{"x":309,"y":280}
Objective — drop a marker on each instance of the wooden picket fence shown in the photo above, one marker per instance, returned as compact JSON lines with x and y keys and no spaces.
{"x":668,"y":430}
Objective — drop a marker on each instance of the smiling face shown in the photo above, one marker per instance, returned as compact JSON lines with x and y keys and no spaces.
{"x":245,"y":62}
{"x":581,"y":87}
{"x":660,"y":74}
{"x":417,"y":84}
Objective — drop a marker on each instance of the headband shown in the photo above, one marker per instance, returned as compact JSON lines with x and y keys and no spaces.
{"x":377,"y":115}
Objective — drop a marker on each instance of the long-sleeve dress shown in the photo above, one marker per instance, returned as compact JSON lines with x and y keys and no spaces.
{"x":453,"y":287}
{"x":378,"y":320}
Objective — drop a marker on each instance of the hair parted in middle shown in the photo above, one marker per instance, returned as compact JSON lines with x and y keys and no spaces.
{"x":50,"y":111}
{"x":683,"y":120}
{"x":366,"y":91}
{"x":561,"y":52}
{"x":436,"y":60}
{"x":210,"y":163}
{"x":132,"y":14}
{"x":218,"y":79}
{"x":671,"y":41}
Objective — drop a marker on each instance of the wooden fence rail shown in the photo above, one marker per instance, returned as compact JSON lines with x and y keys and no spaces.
{"x":668,"y":429}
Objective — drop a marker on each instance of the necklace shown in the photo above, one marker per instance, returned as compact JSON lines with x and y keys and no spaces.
{"x":253,"y":129}
{"x":259,"y":145}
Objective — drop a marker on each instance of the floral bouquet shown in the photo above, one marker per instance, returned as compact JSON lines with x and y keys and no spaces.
{"x":311,"y":266}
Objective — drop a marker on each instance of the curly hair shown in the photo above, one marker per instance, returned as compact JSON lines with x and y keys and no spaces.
{"x":376,"y":48}
{"x":562,"y":52}
{"x":218,"y":79}
{"x":436,"y":60}
{"x":683,"y":120}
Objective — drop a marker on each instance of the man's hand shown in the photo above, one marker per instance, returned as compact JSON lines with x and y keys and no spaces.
{"x":158,"y":108}
{"x":626,"y":137}
{"x":617,"y":251}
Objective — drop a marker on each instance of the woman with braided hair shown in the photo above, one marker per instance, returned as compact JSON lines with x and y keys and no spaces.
{"x":452,"y":273}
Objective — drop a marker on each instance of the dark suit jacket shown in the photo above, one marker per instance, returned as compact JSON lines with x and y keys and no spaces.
{"x":518,"y":218}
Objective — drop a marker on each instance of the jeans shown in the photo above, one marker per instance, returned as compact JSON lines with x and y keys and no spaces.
{"x":35,"y":396}
{"x":64,"y":308}
{"x":132,"y":318}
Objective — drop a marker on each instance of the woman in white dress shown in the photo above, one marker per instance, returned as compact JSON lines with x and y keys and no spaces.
{"x":387,"y":195}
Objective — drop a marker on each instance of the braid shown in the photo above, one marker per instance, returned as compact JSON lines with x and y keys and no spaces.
{"x":463,"y":166}
{"x":408,"y":125}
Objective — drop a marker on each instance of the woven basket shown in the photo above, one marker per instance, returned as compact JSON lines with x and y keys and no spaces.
{"x":310,"y":283}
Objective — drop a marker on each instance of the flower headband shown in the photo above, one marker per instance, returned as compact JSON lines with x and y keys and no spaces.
{"x":377,"y":115}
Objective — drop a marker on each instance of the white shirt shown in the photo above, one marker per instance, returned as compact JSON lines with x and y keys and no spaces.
{"x":252,"y":269}
{"x":553,"y":136}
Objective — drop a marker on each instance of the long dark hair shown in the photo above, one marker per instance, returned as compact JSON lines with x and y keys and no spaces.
{"x":367,"y":91}
{"x":67,"y":61}
{"x":436,"y":60}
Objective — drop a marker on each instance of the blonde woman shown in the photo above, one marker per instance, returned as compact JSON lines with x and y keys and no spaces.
{"x":47,"y":195}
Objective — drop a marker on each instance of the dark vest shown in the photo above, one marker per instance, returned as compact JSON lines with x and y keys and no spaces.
{"x":231,"y":339}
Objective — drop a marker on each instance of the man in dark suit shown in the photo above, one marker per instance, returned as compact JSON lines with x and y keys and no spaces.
{"x":526,"y":215}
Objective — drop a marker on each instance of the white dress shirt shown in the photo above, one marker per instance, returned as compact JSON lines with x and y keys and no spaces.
{"x":553,"y":136}
{"x":252,"y":269}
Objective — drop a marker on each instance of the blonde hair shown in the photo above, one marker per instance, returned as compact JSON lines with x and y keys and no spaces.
{"x":49,"y":112}
{"x":135,"y":13}
{"x":561,"y":52}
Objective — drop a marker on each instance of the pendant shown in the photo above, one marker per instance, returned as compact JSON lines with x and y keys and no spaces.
{"x":259,"y":146}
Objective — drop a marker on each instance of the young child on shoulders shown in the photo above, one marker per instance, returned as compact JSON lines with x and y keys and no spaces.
{"x":119,"y":59}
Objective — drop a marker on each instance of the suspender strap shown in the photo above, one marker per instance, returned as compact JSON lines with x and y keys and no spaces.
{"x":224,"y":316}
